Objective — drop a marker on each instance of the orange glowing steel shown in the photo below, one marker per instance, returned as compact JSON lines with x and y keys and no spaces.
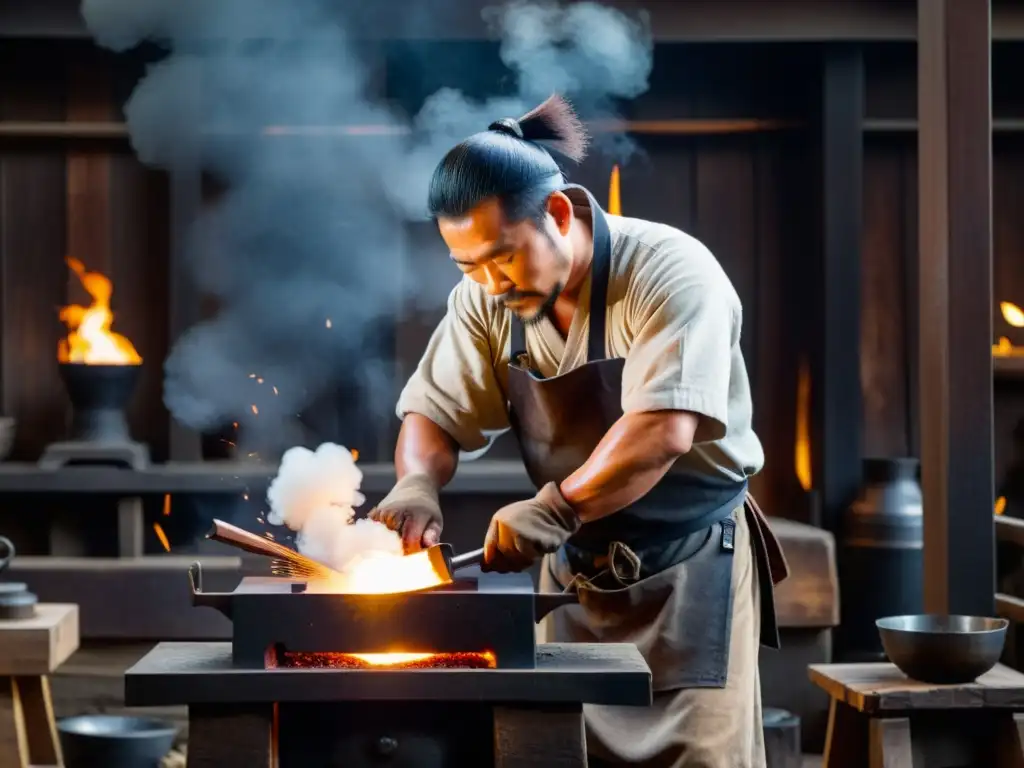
{"x":381,"y":573}
{"x":159,"y":531}
{"x":89,"y":338}
{"x":802,"y":453}
{"x":614,"y":201}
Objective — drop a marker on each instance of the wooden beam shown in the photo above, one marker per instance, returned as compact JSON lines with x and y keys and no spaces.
{"x":955,"y":198}
{"x":836,"y":387}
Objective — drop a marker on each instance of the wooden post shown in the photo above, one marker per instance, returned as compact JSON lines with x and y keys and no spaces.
{"x":955,"y":271}
{"x":836,"y":390}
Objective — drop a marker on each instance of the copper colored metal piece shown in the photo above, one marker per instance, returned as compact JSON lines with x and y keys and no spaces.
{"x":236,"y":537}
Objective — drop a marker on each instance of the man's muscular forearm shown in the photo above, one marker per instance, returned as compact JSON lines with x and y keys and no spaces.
{"x":628,"y":462}
{"x":424,"y":448}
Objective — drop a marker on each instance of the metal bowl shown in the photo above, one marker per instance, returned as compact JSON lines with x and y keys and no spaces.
{"x":943,"y":649}
{"x":114,"y":741}
{"x":6,"y":436}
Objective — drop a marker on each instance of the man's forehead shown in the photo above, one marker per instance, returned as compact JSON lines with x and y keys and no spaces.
{"x":478,"y":232}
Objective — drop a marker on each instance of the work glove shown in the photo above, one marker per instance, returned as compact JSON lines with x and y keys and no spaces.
{"x":413,"y":509}
{"x":523,"y":532}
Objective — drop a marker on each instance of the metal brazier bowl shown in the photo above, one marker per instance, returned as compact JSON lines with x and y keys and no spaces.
{"x":114,"y":741}
{"x":943,"y":649}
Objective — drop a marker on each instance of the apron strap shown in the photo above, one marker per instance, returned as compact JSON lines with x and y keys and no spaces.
{"x":600,"y":270}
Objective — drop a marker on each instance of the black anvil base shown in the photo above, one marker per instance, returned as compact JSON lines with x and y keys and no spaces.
{"x":427,"y":718}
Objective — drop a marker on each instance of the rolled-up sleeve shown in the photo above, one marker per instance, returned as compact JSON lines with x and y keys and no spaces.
{"x":455,"y":384}
{"x":685,"y":326}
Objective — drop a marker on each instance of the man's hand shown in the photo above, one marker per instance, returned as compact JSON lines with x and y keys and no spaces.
{"x":523,"y":532}
{"x":414,"y":510}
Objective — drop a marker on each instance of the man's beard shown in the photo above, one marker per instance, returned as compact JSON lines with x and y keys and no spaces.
{"x":543,"y":310}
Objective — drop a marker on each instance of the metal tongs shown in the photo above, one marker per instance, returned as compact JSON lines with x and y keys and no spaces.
{"x":445,"y":563}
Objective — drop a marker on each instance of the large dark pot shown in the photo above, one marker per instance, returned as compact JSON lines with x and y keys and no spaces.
{"x":880,"y":555}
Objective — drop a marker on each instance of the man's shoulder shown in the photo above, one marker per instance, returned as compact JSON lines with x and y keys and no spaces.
{"x":656,"y":255}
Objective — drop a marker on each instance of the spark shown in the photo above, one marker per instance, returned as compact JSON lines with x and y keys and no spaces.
{"x":255,"y":410}
{"x":162,"y":536}
{"x":245,"y":496}
{"x":327,"y":324}
{"x":259,"y":381}
{"x":252,"y":375}
{"x":269,"y":535}
{"x":167,"y":505}
{"x":275,"y":390}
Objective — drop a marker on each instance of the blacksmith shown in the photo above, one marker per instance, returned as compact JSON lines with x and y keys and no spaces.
{"x":611,"y":347}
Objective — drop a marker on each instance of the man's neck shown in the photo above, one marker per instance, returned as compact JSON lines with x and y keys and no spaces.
{"x":582,"y":239}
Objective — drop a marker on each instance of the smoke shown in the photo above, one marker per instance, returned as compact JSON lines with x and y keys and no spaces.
{"x":315,"y":494}
{"x":305,"y":251}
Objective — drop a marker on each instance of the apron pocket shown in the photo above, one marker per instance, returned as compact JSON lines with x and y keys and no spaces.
{"x":679,"y":618}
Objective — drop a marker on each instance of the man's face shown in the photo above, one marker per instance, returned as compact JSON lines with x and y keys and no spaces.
{"x":523,"y":264}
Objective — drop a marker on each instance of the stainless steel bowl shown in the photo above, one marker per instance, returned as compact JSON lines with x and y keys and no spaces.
{"x":6,"y":436}
{"x":943,"y":649}
{"x":114,"y":741}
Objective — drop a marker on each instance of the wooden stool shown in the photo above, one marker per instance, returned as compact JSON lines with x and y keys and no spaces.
{"x":30,"y":649}
{"x":876,"y":709}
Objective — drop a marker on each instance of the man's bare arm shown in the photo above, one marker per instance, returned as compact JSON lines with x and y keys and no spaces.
{"x":424,"y":448}
{"x":628,"y":462}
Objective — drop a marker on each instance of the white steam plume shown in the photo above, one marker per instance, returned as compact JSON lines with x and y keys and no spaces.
{"x":315,"y":494}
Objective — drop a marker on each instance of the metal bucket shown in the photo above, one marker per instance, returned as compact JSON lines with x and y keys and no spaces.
{"x":881,"y":566}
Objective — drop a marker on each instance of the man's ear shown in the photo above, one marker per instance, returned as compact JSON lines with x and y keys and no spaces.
{"x":560,"y":208}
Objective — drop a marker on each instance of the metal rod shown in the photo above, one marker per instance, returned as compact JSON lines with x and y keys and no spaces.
{"x":467,"y":559}
{"x":688,"y":127}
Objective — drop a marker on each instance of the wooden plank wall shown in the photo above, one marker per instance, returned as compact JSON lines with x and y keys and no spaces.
{"x":752,"y":198}
{"x":90,"y":200}
{"x":889,"y":290}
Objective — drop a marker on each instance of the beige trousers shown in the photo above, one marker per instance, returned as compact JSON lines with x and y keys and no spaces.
{"x":696,"y":727}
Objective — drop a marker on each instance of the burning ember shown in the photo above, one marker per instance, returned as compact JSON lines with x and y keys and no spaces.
{"x":614,"y":201}
{"x":1014,"y":317}
{"x":802,"y":451}
{"x":334,"y":660}
{"x":90,"y":340}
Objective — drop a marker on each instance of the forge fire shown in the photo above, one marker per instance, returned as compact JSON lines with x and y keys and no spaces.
{"x":336,"y":660}
{"x":90,"y":340}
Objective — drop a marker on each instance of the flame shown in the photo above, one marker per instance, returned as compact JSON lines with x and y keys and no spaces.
{"x":90,"y":339}
{"x":159,"y":531}
{"x":614,"y":203}
{"x":1012,"y":314}
{"x":802,"y":452}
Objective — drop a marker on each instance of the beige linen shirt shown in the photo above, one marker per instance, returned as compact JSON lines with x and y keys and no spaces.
{"x":672,"y":314}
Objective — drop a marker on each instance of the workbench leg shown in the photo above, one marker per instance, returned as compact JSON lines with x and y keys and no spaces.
{"x":1011,"y":740}
{"x":889,"y":743}
{"x":225,"y":736}
{"x":532,"y":736}
{"x":28,"y":733}
{"x":847,"y":737}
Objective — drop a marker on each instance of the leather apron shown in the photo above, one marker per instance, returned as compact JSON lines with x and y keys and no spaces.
{"x":659,"y":573}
